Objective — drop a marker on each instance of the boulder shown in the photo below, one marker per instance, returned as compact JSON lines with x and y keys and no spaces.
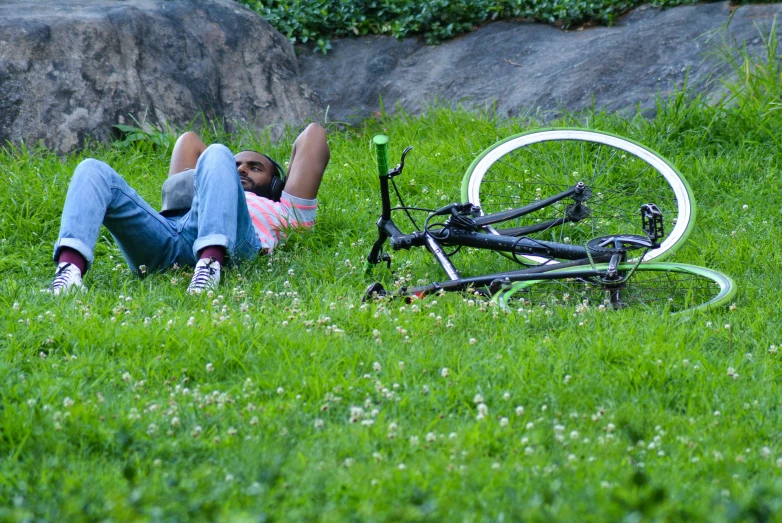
{"x":71,"y":69}
{"x":519,"y":67}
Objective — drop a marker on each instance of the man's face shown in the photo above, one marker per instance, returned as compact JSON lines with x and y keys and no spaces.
{"x":255,"y":171}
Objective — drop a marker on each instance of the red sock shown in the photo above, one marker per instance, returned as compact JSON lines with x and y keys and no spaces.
{"x":213,"y":251}
{"x":68,"y":255}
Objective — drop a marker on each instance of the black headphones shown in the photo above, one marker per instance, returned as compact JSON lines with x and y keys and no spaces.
{"x":277,"y":183}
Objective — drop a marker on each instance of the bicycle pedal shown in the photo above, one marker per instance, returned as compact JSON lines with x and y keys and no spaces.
{"x":374,"y":291}
{"x":652,"y":223}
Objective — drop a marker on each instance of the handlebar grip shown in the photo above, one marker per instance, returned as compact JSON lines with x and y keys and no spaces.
{"x":381,"y":152}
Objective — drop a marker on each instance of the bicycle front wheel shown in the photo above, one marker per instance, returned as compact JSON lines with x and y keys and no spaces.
{"x":659,"y":287}
{"x":621,"y":176}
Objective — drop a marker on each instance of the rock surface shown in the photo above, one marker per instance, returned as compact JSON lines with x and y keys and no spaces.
{"x":524,"y":66}
{"x":70,"y":69}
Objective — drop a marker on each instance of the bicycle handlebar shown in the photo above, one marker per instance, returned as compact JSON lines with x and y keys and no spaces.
{"x":381,"y":154}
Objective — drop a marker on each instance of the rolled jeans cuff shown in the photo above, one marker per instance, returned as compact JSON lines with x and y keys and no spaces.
{"x":78,"y":246}
{"x":212,"y":240}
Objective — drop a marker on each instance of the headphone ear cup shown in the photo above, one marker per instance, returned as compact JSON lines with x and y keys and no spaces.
{"x":276,"y":187}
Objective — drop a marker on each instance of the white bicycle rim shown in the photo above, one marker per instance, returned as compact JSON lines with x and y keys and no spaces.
{"x":685,"y":207}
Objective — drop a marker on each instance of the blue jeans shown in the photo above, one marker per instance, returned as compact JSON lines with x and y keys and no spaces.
{"x":218,"y":216}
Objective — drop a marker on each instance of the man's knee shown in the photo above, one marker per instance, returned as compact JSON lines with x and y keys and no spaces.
{"x":218,"y":152}
{"x":216,"y":165}
{"x":94,"y":170}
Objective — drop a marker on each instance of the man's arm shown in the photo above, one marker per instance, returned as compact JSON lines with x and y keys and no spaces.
{"x":309,"y":158}
{"x":186,"y":152}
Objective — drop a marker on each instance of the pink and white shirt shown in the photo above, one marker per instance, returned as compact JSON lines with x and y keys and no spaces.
{"x":272,"y":219}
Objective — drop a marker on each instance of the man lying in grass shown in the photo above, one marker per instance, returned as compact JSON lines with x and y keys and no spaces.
{"x":217,"y":207}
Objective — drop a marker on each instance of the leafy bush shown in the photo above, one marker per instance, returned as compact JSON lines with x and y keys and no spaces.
{"x":437,"y":20}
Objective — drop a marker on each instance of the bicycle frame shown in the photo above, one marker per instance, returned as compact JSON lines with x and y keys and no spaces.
{"x":453,"y":236}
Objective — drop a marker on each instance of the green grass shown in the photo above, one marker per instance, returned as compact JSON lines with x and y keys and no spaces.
{"x":133,"y":401}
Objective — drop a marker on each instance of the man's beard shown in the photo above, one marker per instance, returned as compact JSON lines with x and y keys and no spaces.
{"x":261,"y":190}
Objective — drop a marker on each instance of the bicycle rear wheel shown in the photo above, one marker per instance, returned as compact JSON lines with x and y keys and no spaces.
{"x":672,"y":287}
{"x":621,"y":174}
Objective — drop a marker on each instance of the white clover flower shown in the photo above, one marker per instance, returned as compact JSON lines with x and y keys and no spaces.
{"x":478,"y":398}
{"x":567,"y":379}
{"x":175,"y":421}
{"x":348,"y":462}
{"x":506,"y":396}
{"x":210,"y":367}
{"x":376,"y":366}
{"x":126,"y":377}
{"x":483,"y":410}
{"x":401,"y":466}
{"x":355,"y":414}
{"x":413,"y":441}
{"x":473,"y":341}
{"x":529,"y":451}
{"x":530,"y":426}
{"x":504,"y":422}
{"x":519,"y":411}
{"x":280,"y":391}
{"x":430,"y":437}
{"x":67,"y":403}
{"x":444,"y":372}
{"x":610,"y":427}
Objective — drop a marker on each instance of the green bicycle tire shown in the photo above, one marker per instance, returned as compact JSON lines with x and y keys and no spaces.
{"x":634,"y":175}
{"x":659,"y":286}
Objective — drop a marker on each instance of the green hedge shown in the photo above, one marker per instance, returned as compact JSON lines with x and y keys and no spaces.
{"x":319,"y":20}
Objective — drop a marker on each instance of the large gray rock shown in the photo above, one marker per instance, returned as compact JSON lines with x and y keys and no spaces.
{"x":525,"y":67}
{"x":70,"y":69}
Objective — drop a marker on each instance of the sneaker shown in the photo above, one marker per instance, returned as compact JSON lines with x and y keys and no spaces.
{"x":66,"y":279}
{"x":206,"y":276}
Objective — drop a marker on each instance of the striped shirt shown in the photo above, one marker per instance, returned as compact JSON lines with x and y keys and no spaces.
{"x":272,"y":219}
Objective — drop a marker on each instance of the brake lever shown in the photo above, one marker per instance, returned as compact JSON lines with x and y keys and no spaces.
{"x":396,"y":171}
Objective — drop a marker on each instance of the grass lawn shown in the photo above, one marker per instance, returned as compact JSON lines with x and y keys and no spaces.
{"x":282,"y":397}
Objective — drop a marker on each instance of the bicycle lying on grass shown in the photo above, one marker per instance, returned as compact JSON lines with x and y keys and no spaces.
{"x":588,"y":214}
